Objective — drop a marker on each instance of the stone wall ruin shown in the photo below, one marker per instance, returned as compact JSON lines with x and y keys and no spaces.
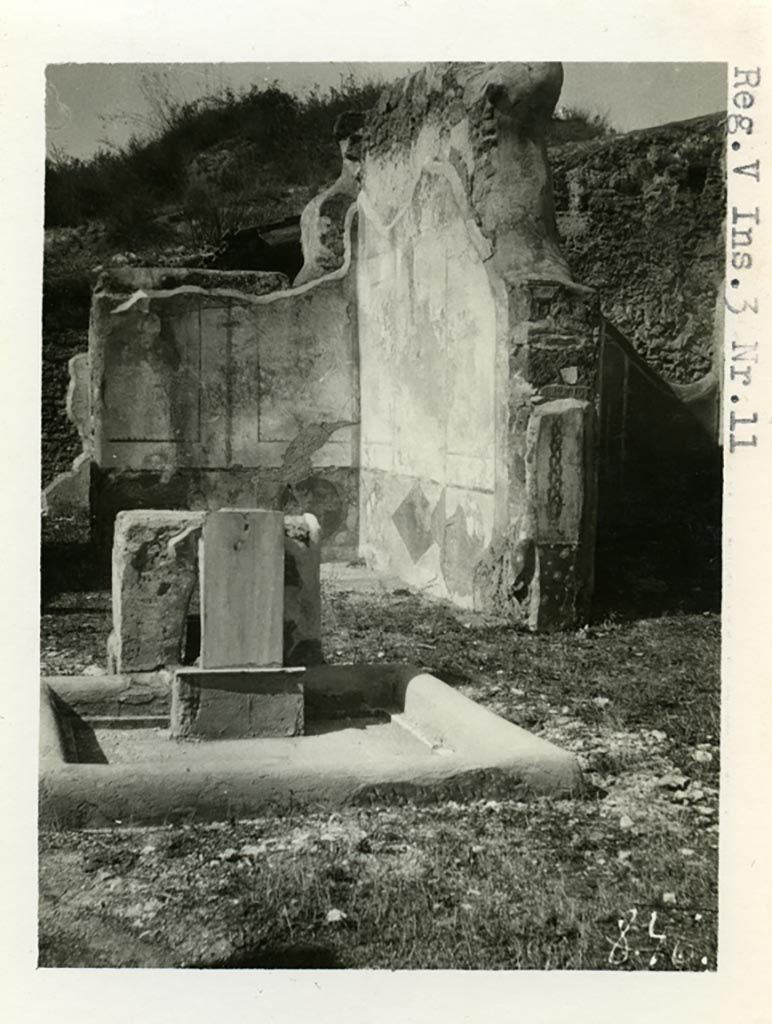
{"x":640,"y":217}
{"x":435,"y":387}
{"x":478,"y":352}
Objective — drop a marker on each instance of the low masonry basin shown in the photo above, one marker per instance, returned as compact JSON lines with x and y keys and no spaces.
{"x":370,"y":734}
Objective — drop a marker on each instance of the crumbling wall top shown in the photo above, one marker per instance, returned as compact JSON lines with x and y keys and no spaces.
{"x":126,"y":280}
{"x":446,"y":93}
{"x":484,"y":127}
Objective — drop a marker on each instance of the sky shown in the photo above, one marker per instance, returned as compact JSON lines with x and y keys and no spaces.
{"x":93,"y":106}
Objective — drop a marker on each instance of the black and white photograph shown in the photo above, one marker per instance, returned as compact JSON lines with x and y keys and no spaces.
{"x":394,"y":421}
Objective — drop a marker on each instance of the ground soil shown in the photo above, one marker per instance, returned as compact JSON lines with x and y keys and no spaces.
{"x":623,"y":878}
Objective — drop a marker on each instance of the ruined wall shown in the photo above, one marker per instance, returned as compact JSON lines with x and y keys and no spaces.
{"x":469,"y":321}
{"x":212,"y":389}
{"x":66,"y":299}
{"x":640,"y":218}
{"x":323,"y":223}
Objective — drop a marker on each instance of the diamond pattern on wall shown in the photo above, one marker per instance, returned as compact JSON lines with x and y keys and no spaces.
{"x":413,"y":521}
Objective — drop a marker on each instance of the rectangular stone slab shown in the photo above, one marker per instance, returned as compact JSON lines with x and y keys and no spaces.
{"x":237,"y":703}
{"x":242,"y":588}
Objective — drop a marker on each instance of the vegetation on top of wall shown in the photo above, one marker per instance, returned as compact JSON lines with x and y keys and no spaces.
{"x":209,"y":166}
{"x":577,"y":124}
{"x":259,"y":147}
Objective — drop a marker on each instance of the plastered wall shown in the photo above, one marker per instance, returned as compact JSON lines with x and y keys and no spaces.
{"x":218,"y":389}
{"x":428,"y":330}
{"x":478,"y":354}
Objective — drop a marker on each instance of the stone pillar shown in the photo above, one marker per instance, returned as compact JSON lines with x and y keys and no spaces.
{"x":241,"y":690}
{"x":555,"y":352}
{"x":560,"y":476}
{"x":540,"y":570}
{"x":242,"y":588}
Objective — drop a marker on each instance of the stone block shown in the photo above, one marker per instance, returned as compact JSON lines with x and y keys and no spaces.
{"x":155,"y":569}
{"x":155,"y":572}
{"x":237,"y":704}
